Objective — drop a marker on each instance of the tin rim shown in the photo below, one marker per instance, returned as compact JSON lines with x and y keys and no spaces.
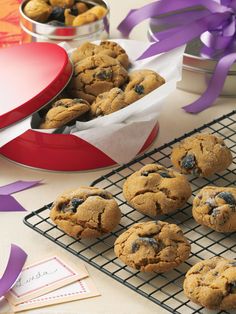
{"x":197,"y":63}
{"x":45,"y":31}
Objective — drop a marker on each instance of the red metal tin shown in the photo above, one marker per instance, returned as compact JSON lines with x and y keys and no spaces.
{"x":60,"y":151}
{"x":31,"y":76}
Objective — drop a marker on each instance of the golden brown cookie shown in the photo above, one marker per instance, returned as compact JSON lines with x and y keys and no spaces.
{"x":87,"y":212}
{"x":202,"y":154}
{"x":108,"y":102}
{"x":215,"y":207}
{"x":95,"y":75}
{"x":109,"y":48}
{"x":95,"y":13}
{"x":118,"y":52}
{"x":141,"y":83}
{"x":156,"y":190}
{"x":152,"y":246}
{"x":63,"y":112}
{"x":212,"y":283}
{"x":38,"y":10}
{"x":88,"y":49}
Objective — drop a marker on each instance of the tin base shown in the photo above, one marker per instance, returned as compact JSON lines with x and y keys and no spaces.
{"x":60,"y":152}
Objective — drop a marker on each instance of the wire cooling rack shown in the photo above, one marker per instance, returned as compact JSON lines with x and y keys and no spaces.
{"x":163,"y":289}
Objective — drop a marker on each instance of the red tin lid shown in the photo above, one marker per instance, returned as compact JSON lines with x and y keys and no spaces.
{"x":30,"y":76}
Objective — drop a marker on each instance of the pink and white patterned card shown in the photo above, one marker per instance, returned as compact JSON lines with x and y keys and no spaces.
{"x":81,"y":289}
{"x":43,"y":277}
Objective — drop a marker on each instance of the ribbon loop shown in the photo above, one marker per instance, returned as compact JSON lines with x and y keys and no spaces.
{"x":13,"y":269}
{"x":213,"y":21}
{"x":7,"y":202}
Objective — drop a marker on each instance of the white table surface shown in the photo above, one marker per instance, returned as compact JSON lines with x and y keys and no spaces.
{"x":115,"y":298}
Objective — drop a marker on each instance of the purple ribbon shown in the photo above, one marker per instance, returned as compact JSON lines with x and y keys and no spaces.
{"x":7,"y":202}
{"x":13,"y":269}
{"x":214,"y":22}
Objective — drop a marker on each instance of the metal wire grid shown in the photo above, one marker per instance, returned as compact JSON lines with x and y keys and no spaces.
{"x":163,"y":289}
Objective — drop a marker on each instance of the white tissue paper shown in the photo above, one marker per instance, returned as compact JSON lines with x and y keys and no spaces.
{"x":122,"y":134}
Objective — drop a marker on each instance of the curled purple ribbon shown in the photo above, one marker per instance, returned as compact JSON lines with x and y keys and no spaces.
{"x":213,"y":22}
{"x":13,"y":269}
{"x":7,"y":202}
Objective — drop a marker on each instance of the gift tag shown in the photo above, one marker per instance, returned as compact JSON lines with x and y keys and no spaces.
{"x":41,"y":278}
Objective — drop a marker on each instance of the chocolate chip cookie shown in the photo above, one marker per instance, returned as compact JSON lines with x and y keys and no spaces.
{"x":108,"y":102}
{"x":87,"y":212}
{"x":109,"y":48}
{"x":95,"y":75}
{"x":141,"y":83}
{"x":215,"y":207}
{"x":152,"y":246}
{"x":63,"y":112}
{"x":202,"y":154}
{"x":212,"y":283}
{"x":155,"y":190}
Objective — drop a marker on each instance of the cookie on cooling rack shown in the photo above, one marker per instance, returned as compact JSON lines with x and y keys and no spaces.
{"x":202,"y":154}
{"x":152,"y":246}
{"x":155,"y":190}
{"x":87,"y":212}
{"x":215,"y":207}
{"x":212,"y":283}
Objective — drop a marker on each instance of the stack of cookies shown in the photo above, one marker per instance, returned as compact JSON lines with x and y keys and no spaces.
{"x":158,"y":246}
{"x":101,"y":84}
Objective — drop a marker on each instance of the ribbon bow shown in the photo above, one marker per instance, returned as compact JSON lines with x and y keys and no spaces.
{"x":7,"y":201}
{"x":214,"y":21}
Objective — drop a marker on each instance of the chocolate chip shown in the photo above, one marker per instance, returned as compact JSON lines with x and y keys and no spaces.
{"x":104,"y":75}
{"x":227,"y":197}
{"x":232,"y":287}
{"x":144,"y":241}
{"x":139,"y":89}
{"x":188,"y":162}
{"x":56,"y":23}
{"x":57,"y":14}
